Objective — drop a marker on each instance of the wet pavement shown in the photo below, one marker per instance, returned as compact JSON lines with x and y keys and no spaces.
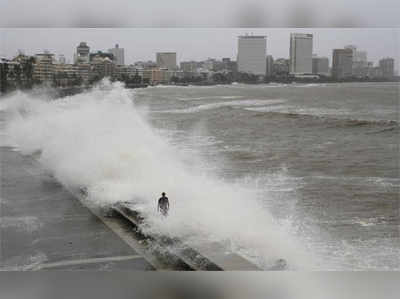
{"x":42,"y":226}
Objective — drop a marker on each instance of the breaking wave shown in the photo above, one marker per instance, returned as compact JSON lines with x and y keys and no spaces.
{"x":342,"y":116}
{"x":230,"y":104}
{"x":209,"y":98}
{"x":100,"y":140}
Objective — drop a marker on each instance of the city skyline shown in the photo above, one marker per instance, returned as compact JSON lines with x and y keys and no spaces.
{"x":194,"y":44}
{"x":252,"y":51}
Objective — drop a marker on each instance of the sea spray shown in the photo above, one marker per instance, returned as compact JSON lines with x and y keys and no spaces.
{"x":100,"y":141}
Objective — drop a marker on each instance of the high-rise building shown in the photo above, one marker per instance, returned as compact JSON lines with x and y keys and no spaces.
{"x":269,"y":63}
{"x":157,"y":75}
{"x":358,"y":56}
{"x":209,"y":64}
{"x":145,"y":64}
{"x":320,"y":65}
{"x":353,"y":48}
{"x":61,"y":59}
{"x":101,"y":54}
{"x":387,"y":67}
{"x":82,"y":53}
{"x":375,"y":72}
{"x":166,"y":60}
{"x":342,"y":63}
{"x":43,"y":70}
{"x":252,"y":50}
{"x":301,"y":49}
{"x":102,"y":66}
{"x":66,"y":74}
{"x":189,"y":66}
{"x":8,"y":71}
{"x":119,"y":55}
{"x":360,"y":61}
{"x":125,"y":71}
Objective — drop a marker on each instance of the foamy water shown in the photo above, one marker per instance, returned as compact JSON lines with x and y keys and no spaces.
{"x":265,"y":185}
{"x":232,"y":104}
{"x":100,"y":140}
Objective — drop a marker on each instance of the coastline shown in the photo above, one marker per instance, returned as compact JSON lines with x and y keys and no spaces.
{"x":60,"y":92}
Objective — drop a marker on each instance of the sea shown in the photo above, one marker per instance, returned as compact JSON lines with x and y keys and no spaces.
{"x":304,"y":172}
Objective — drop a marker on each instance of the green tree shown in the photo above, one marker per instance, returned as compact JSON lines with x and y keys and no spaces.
{"x":175,"y":79}
{"x":3,"y":76}
{"x":27,"y":71}
{"x":18,"y":71}
{"x":94,"y":79}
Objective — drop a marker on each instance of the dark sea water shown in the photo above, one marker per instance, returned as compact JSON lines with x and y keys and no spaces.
{"x":323,"y":158}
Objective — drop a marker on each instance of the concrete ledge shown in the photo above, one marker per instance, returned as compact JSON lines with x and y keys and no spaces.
{"x":208,"y":256}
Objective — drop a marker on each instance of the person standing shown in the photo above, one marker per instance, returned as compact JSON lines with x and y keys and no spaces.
{"x":163,"y":204}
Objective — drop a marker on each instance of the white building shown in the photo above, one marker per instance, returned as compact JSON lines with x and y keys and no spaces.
{"x":166,"y":60}
{"x":82,"y":53}
{"x":361,"y":57}
{"x":43,"y":69}
{"x":387,"y":67}
{"x":189,"y":66}
{"x":301,"y":49}
{"x":269,"y":64}
{"x":119,"y":55}
{"x":360,"y":61}
{"x":342,"y":63}
{"x":358,"y":56}
{"x":252,"y":51}
{"x":320,"y":65}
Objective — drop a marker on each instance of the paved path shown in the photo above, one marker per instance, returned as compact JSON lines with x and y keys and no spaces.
{"x":42,"y":226}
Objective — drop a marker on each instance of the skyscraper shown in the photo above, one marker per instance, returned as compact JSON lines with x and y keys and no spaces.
{"x":119,"y":55}
{"x":301,"y":49}
{"x":320,"y":65}
{"x":189,"y":66}
{"x":252,"y":54}
{"x":342,"y":63}
{"x":387,"y":67}
{"x":359,"y":60}
{"x":82,"y":53}
{"x":353,"y":48}
{"x":358,"y":56}
{"x":44,"y":67}
{"x":61,"y":59}
{"x":166,"y":60}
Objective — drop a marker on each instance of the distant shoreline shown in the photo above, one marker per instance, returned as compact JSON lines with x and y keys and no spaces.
{"x":60,"y":92}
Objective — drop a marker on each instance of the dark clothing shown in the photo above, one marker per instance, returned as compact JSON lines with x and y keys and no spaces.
{"x":163,"y":205}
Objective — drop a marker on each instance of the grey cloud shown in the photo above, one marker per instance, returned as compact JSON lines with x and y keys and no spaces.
{"x":205,"y":13}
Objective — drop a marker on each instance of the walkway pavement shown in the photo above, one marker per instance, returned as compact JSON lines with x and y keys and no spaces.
{"x":42,"y":226}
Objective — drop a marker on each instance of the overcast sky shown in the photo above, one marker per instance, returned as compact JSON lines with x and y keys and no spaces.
{"x":193,"y":44}
{"x":199,"y":13}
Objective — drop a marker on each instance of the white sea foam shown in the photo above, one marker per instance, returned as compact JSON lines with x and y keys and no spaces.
{"x":233,"y":104}
{"x":361,"y":180}
{"x":209,"y":98}
{"x":301,"y":110}
{"x":100,"y":140}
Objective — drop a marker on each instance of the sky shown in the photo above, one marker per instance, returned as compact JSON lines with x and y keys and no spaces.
{"x":194,"y":43}
{"x":199,"y":13}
